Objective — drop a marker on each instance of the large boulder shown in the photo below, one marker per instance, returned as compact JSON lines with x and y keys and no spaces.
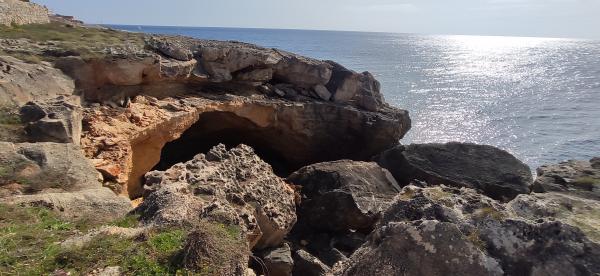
{"x":444,"y":230}
{"x":341,"y":202}
{"x":343,"y":195}
{"x":21,"y":82}
{"x":580,"y":178}
{"x":350,"y":87}
{"x":308,"y":265}
{"x":57,"y":120}
{"x":493,"y":171}
{"x":278,"y":261}
{"x":234,"y":187}
{"x":58,"y":177}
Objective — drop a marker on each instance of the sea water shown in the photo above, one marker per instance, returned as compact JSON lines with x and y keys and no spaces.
{"x":538,"y":98}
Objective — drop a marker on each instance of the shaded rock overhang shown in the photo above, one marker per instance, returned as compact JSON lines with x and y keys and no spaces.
{"x":195,"y":94}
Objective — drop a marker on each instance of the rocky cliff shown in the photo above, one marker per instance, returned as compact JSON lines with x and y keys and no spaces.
{"x":19,"y":12}
{"x":131,"y":154}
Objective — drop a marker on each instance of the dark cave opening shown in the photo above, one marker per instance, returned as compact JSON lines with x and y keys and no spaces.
{"x":213,"y":128}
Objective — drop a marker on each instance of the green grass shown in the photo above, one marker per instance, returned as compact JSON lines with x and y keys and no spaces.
{"x":70,"y":40}
{"x":128,"y":221}
{"x":9,"y":116}
{"x":587,"y":183}
{"x":30,"y":240}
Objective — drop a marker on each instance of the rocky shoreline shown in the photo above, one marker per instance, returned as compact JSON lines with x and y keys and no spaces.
{"x":170,"y":155}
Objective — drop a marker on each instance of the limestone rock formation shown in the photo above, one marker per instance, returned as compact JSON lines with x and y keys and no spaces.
{"x":569,"y":209}
{"x":579,"y":178}
{"x":230,"y":186}
{"x":22,"y":82}
{"x":57,"y":120}
{"x":128,"y":142}
{"x":494,"y":172}
{"x":56,"y":176}
{"x":440,"y":230}
{"x":20,"y":12}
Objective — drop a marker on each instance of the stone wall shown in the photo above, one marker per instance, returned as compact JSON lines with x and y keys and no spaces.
{"x":22,"y":12}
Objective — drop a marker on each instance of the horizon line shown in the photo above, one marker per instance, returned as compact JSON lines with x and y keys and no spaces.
{"x":347,"y":31}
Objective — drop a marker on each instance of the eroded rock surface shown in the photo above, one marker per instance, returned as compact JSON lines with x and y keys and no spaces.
{"x":127,"y":142}
{"x":56,"y":176}
{"x":579,"y":178}
{"x":442,"y":230}
{"x":493,"y":171}
{"x":230,"y":186}
{"x":57,"y":120}
{"x":21,"y":82}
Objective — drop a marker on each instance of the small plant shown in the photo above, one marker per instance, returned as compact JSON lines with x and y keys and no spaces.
{"x":128,"y":221}
{"x":9,"y":116}
{"x":490,"y":212}
{"x":475,"y":239}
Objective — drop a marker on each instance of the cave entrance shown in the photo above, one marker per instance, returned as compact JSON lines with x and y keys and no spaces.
{"x":231,"y":130}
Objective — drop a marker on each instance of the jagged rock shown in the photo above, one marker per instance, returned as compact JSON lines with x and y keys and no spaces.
{"x":174,"y":69}
{"x":57,"y":120}
{"x":21,"y":82}
{"x":308,"y":265}
{"x":170,"y":49}
{"x":302,"y":71}
{"x":442,"y":230}
{"x":566,"y":208}
{"x":278,"y":261}
{"x":234,"y":187}
{"x":58,"y":177}
{"x":428,"y":247}
{"x":260,"y":75}
{"x":343,"y":195}
{"x":349,"y":86}
{"x":580,"y":178}
{"x":495,"y":172}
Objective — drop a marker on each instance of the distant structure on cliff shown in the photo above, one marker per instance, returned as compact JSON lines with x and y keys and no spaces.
{"x":17,"y":12}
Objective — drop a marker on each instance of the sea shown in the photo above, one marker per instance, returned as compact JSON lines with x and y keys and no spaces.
{"x":538,"y":98}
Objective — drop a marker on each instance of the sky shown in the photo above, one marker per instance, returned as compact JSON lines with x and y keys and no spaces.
{"x":540,"y":18}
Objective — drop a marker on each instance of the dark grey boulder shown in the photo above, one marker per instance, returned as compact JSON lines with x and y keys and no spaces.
{"x":278,"y":261}
{"x":306,"y":264}
{"x":57,"y":120}
{"x":342,"y":195}
{"x":493,"y":171}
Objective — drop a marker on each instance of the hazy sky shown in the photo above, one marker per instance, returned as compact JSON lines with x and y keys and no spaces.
{"x":549,"y":18}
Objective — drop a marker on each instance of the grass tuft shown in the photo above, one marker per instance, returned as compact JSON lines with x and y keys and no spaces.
{"x":30,"y":239}
{"x":587,"y":183}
